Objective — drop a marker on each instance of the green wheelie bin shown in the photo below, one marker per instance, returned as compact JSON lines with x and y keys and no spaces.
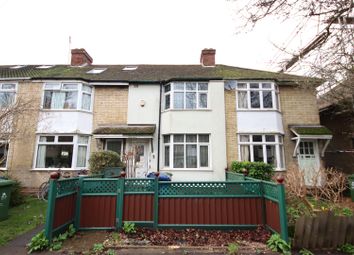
{"x":5,"y":193}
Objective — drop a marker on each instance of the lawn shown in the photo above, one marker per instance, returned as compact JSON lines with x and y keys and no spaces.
{"x":22,"y":218}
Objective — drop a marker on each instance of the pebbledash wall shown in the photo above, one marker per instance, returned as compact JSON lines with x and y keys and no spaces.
{"x":122,"y":105}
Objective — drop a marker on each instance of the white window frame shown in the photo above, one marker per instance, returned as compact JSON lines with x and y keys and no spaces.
{"x":9,"y":90}
{"x":80,"y":93}
{"x":4,"y":143}
{"x":184,"y":91}
{"x":278,"y":143}
{"x":274,"y":90}
{"x":185,"y":143}
{"x":75,"y":144}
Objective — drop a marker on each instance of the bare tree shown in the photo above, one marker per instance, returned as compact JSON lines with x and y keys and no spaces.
{"x":330,"y":56}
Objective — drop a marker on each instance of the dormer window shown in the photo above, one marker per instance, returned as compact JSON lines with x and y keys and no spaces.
{"x":130,"y":68}
{"x":186,"y":95}
{"x":257,"y":96}
{"x":97,"y":70}
{"x":62,"y":96}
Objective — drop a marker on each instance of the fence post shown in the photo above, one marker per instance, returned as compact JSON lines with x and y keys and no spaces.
{"x":282,"y":212}
{"x":156,"y":202}
{"x":50,"y":210}
{"x":120,"y":203}
{"x":78,"y":203}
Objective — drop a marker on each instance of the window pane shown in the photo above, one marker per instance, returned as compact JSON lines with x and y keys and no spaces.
{"x":178,"y":156}
{"x":167,"y":88}
{"x":87,"y":89}
{"x":178,"y":100}
{"x":254,"y":85}
{"x":258,"y":153}
{"x":203,"y":86}
{"x":56,"y":156}
{"x":178,"y":138}
{"x":65,"y":139}
{"x":86,"y":102}
{"x":166,"y":138}
{"x":203,"y":138}
{"x":167,"y":101}
{"x":245,"y":153}
{"x":57,"y":100}
{"x":8,"y":86}
{"x":70,"y":86}
{"x":178,"y":86}
{"x":257,"y":138}
{"x":114,"y":145}
{"x":167,"y":156}
{"x":191,"y":155}
{"x":255,"y":102}
{"x":3,"y":154}
{"x":276,"y":101}
{"x":52,"y":86}
{"x":270,"y":138}
{"x":83,"y":139}
{"x":6,"y":98}
{"x":267,"y":99}
{"x":271,"y":155}
{"x":191,"y":86}
{"x":244,"y":138}
{"x":242,"y":85}
{"x":81,"y":156}
{"x":280,"y":139}
{"x":70,"y":100}
{"x":266,"y":85}
{"x":281,"y":155}
{"x":204,"y":156}
{"x":46,"y":139}
{"x":191,"y":138}
{"x":191,"y":100}
{"x":47,"y":99}
{"x":242,"y":99}
{"x":203,"y":100}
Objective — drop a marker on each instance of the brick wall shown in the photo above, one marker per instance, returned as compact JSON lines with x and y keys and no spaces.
{"x":298,"y":106}
{"x":110,"y":107}
{"x":231,"y":127}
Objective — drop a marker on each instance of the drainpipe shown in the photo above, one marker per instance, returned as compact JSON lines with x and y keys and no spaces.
{"x":159,"y":130}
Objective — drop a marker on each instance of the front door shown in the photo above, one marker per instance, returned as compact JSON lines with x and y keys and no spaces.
{"x":309,"y":163}
{"x":139,"y":151}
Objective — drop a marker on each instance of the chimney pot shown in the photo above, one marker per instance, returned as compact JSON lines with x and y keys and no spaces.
{"x":80,"y":57}
{"x":207,"y":58}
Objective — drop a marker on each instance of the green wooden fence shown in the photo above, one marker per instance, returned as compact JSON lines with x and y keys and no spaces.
{"x":105,"y":203}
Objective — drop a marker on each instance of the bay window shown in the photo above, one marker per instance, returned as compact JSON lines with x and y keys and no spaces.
{"x":257,"y":96}
{"x":267,"y":148}
{"x":74,"y":96}
{"x":62,"y":151}
{"x":186,"y":95}
{"x":185,"y":151}
{"x":7,"y":94}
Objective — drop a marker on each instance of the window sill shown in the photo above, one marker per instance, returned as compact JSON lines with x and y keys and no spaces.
{"x":258,"y":110}
{"x":65,"y":110}
{"x":3,"y":169}
{"x":187,"y":110}
{"x":56,"y":169}
{"x":186,"y":169}
{"x":279,"y":170}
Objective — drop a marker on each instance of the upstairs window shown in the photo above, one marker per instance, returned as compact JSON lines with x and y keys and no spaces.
{"x":59,"y":96}
{"x":257,"y":96}
{"x":7,"y":94}
{"x":186,"y":95}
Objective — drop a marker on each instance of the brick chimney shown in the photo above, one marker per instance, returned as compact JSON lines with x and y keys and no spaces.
{"x":207,"y":58}
{"x":80,"y":57}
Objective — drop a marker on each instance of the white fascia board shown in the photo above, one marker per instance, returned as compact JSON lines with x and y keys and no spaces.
{"x":109,"y":83}
{"x":121,"y":136}
{"x":15,"y":79}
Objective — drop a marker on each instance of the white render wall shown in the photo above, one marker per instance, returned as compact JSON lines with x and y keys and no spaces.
{"x":210,"y":121}
{"x":143,"y":108}
{"x":259,"y":122}
{"x":65,"y":122}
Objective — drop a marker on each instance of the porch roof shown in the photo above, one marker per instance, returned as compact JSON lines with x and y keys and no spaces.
{"x":125,"y":130}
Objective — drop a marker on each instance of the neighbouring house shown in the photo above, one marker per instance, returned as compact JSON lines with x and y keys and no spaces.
{"x":340,"y":152}
{"x":189,"y":120}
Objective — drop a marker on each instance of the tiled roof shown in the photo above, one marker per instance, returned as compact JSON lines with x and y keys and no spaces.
{"x":126,"y":129}
{"x":147,"y":73}
{"x":310,"y":130}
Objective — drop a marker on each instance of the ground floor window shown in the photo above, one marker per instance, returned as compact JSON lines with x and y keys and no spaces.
{"x":184,"y":151}
{"x":266,"y":148}
{"x":62,"y":151}
{"x":115,"y":145}
{"x":4,"y":147}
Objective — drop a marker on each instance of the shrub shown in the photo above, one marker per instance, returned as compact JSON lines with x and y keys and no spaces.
{"x":275,"y":243}
{"x":99,"y":160}
{"x":129,"y":228}
{"x":38,"y":243}
{"x":17,"y":197}
{"x":258,"y":170}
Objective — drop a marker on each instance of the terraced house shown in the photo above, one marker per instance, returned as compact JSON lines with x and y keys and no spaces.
{"x":189,"y":120}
